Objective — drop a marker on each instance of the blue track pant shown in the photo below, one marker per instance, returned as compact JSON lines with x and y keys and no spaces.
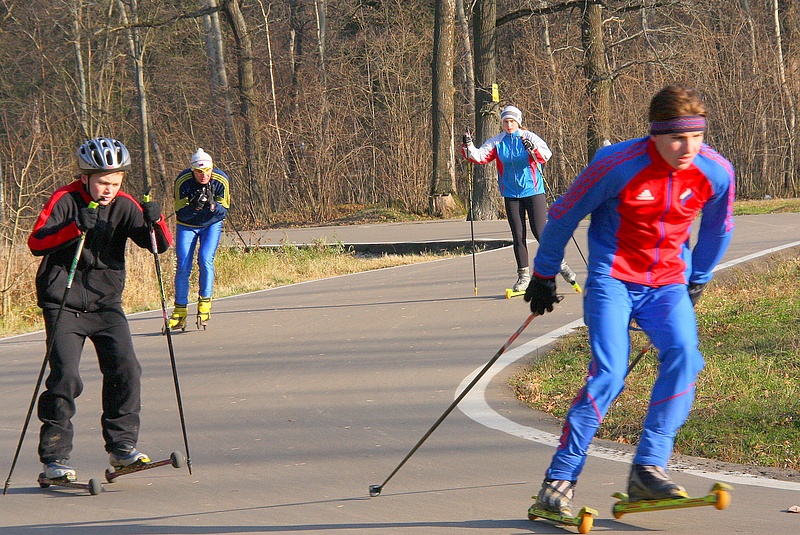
{"x":186,"y":240}
{"x":666,"y":315}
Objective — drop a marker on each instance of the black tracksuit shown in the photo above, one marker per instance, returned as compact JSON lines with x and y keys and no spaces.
{"x":92,"y":309}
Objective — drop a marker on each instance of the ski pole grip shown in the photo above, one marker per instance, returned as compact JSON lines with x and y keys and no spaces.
{"x":146,"y":196}
{"x":93,"y":204}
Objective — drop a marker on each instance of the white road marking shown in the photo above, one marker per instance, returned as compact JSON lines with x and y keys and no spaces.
{"x":474,"y":404}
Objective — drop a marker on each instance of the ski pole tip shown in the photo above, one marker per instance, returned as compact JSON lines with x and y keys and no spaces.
{"x":375,"y":490}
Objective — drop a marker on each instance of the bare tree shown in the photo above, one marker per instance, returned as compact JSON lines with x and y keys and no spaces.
{"x":444,"y":177}
{"x":487,"y":120}
{"x":253,"y":148}
{"x":215,"y":50}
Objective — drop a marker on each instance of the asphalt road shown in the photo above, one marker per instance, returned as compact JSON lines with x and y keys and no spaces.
{"x":299,"y":398}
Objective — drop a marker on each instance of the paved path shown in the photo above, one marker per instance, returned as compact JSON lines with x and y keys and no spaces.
{"x":299,"y":398}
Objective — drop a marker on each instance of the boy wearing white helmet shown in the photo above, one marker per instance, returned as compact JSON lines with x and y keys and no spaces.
{"x":202,"y":199}
{"x":92,"y":206}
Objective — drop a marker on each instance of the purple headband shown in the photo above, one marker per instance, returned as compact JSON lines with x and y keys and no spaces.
{"x":677,"y":125}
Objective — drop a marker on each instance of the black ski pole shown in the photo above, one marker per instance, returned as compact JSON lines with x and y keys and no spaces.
{"x":246,"y":247}
{"x":638,"y":357}
{"x":550,"y":191}
{"x":375,"y":490}
{"x":154,"y":246}
{"x":472,"y":227}
{"x":49,"y":347}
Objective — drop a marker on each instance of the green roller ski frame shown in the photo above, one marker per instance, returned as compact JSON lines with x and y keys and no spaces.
{"x":719,"y":497}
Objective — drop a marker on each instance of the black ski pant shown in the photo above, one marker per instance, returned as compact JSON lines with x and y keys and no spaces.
{"x":121,"y":392}
{"x":535,"y":207}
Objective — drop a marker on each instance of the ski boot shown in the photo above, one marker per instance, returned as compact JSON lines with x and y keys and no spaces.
{"x":556,"y":496}
{"x":177,"y":320}
{"x":523,"y":279}
{"x":570,"y":276}
{"x":125,"y":456}
{"x":203,"y":312}
{"x":650,"y":482}
{"x":554,"y":503}
{"x":59,"y":469}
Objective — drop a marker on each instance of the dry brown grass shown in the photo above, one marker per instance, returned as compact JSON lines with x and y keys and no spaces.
{"x":236,"y":272}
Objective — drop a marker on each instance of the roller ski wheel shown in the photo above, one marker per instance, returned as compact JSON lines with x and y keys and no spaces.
{"x":202,"y":321}
{"x":92,"y":486}
{"x":719,"y":497}
{"x":176,"y":460}
{"x":584,"y":520}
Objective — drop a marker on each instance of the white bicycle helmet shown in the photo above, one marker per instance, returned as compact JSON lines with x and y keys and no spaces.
{"x":103,"y":154}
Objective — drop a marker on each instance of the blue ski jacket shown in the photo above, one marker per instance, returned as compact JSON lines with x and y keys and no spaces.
{"x":518,"y":173}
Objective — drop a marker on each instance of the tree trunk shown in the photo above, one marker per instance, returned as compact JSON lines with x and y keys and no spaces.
{"x":596,"y":74}
{"x":487,"y":119}
{"x":443,"y":182}
{"x":252,"y":141}
{"x":136,"y":51}
{"x":557,"y":112}
{"x":788,"y":108}
{"x":220,"y":91}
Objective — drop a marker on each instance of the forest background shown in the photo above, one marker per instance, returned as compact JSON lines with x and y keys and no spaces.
{"x":310,"y":105}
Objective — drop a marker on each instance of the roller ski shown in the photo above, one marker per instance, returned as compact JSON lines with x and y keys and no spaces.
{"x":570,"y":276}
{"x":557,"y":495}
{"x":523,"y":279}
{"x":141,"y":462}
{"x":651,"y":489}
{"x":61,"y":474}
{"x":178,"y":319}
{"x":203,"y":312}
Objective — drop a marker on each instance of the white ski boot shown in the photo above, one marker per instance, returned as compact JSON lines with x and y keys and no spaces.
{"x":556,"y":496}
{"x":59,"y":469}
{"x":523,"y":279}
{"x":122,"y":457}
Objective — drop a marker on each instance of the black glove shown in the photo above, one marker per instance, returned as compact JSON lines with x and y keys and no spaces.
{"x":541,"y":294}
{"x":466,"y":139}
{"x":87,"y":218}
{"x":151,"y":211}
{"x":201,"y":199}
{"x":695,"y":291}
{"x":528,"y":144}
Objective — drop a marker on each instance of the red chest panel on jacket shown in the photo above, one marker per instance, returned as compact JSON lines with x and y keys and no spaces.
{"x":656,"y":212}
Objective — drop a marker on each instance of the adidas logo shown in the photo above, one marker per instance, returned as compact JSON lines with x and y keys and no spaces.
{"x":645,"y":195}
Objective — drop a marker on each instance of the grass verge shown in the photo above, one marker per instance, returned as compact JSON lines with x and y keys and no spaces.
{"x":237,"y":272}
{"x":747,"y":409}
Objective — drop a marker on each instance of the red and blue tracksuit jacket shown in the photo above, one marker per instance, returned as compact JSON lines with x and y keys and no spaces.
{"x":642,"y":211}
{"x":640,"y":261}
{"x":518,"y":173}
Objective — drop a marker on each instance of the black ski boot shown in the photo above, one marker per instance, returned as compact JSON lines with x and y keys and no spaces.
{"x":650,"y":482}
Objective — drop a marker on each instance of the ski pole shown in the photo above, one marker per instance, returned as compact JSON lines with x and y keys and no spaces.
{"x":550,"y":191}
{"x":472,"y":224}
{"x":375,"y":490}
{"x":48,"y":349}
{"x":246,"y":247}
{"x":154,"y":246}
{"x":638,"y":357}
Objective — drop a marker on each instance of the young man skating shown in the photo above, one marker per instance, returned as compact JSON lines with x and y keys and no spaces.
{"x":643,"y":196}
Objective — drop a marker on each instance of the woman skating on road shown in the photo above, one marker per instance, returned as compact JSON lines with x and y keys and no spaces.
{"x":518,"y":153}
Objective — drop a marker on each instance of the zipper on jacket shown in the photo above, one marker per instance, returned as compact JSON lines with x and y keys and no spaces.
{"x":662,"y":232}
